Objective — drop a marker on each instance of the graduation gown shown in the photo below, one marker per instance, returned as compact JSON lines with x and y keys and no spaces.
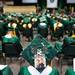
{"x":15,"y":42}
{"x":69,"y":46}
{"x":5,"y":70}
{"x":30,"y":70}
{"x":69,"y":71}
{"x":11,"y":40}
{"x":69,"y":40}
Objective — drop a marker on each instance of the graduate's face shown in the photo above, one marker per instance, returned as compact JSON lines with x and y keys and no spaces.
{"x":40,"y":59}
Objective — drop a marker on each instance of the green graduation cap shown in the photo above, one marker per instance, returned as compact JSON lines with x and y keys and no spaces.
{"x":21,"y":16}
{"x":13,"y":14}
{"x":10,"y":29}
{"x":68,"y":40}
{"x":26,"y":20}
{"x":38,"y":43}
{"x":42,"y":25}
{"x":2,"y":17}
{"x":10,"y":19}
{"x":43,"y":18}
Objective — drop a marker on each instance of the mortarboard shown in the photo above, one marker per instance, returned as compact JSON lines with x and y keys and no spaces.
{"x":38,"y":43}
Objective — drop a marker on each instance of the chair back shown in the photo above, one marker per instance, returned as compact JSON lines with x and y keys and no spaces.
{"x":11,"y":49}
{"x":69,"y":50}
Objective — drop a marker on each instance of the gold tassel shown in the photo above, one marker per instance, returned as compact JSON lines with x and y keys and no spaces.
{"x":73,"y":35}
{"x":14,"y":32}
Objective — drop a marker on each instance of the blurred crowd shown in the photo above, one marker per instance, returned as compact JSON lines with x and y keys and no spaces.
{"x":45,"y":22}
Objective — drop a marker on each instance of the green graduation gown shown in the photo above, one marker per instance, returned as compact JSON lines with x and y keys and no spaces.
{"x":69,"y":71}
{"x":30,"y":70}
{"x":11,"y":40}
{"x":5,"y":70}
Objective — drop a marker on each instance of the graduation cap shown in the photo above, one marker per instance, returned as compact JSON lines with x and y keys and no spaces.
{"x":13,"y":14}
{"x":26,"y":20}
{"x":43,"y":19}
{"x":38,"y":43}
{"x":69,"y":40}
{"x":2,"y":17}
{"x":10,"y":29}
{"x":43,"y":25}
{"x":10,"y":19}
{"x":20,"y":16}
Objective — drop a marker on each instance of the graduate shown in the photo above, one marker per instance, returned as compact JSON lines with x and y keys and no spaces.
{"x":69,"y":46}
{"x":12,"y":23}
{"x":27,"y":28}
{"x":42,"y":28}
{"x":39,"y":55}
{"x":58,"y":29}
{"x":68,"y":40}
{"x":11,"y":38}
{"x":34,"y":20}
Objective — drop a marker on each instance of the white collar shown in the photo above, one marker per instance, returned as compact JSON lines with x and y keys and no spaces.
{"x":8,"y":36}
{"x":2,"y":67}
{"x":34,"y":71}
{"x":47,"y":70}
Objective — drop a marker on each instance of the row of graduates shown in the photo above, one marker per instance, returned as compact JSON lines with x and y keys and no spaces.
{"x":44,"y":23}
{"x":38,"y":46}
{"x":6,"y":70}
{"x":24,"y":25}
{"x":39,"y":43}
{"x":34,"y":54}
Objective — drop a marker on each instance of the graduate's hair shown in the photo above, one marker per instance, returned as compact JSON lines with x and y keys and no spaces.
{"x":48,"y":62}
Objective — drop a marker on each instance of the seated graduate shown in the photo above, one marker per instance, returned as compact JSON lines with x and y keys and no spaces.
{"x":69,"y":40}
{"x":43,"y":29}
{"x":10,"y":36}
{"x":12,"y":39}
{"x":58,"y":29}
{"x":40,"y":67}
{"x":39,"y":55}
